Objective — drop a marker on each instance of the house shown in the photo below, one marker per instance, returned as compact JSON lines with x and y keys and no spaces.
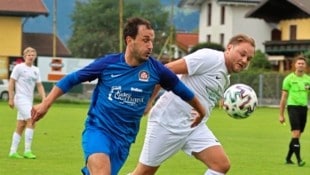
{"x":290,"y":35}
{"x":13,"y":14}
{"x":36,"y":40}
{"x":181,"y":46}
{"x":185,"y":41}
{"x":219,"y":20}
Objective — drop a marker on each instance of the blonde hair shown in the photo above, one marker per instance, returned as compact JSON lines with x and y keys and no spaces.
{"x":29,"y":49}
{"x":240,"y":38}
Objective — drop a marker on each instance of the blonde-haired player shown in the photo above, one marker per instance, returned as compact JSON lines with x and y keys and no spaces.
{"x":25,"y":76}
{"x":207,"y":73}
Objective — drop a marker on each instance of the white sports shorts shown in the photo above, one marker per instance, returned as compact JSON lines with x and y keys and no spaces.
{"x":23,"y":107}
{"x":160,"y":143}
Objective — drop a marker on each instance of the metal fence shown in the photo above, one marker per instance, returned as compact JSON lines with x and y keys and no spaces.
{"x":267,"y":87}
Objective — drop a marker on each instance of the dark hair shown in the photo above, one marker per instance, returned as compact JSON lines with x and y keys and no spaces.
{"x":131,"y":27}
{"x":299,"y":57}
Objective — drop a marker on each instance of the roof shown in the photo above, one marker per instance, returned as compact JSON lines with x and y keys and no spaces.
{"x":190,"y":3}
{"x":276,"y":10}
{"x":185,"y":41}
{"x":43,"y":43}
{"x":198,"y":3}
{"x":22,"y":8}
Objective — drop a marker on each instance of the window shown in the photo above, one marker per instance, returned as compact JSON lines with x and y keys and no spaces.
{"x":223,"y":15}
{"x":209,"y":12}
{"x":208,"y":38}
{"x":275,"y":35}
{"x":222,"y":39}
{"x":293,"y":30}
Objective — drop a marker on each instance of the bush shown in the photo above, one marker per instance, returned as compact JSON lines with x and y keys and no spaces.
{"x":209,"y":45}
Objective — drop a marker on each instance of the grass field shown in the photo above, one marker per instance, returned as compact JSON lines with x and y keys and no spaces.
{"x":256,"y":146}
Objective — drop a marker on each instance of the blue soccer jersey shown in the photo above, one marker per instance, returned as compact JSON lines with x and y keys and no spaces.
{"x":122,"y":92}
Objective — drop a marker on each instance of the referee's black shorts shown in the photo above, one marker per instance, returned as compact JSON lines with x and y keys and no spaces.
{"x":297,"y":116}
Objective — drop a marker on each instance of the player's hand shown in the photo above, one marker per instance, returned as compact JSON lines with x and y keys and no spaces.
{"x":38,"y":111}
{"x":11,"y":103}
{"x":281,"y":119}
{"x":196,"y":118}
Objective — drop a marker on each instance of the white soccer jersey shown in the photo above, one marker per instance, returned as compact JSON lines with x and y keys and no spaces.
{"x":207,"y":78}
{"x":26,"y":78}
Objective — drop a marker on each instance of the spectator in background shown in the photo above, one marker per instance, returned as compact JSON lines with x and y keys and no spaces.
{"x":25,"y":76}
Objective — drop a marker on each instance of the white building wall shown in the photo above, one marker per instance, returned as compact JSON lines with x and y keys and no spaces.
{"x":235,"y":23}
{"x":257,"y":28}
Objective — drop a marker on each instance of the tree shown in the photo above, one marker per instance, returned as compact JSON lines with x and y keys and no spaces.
{"x":260,"y":61}
{"x":96,"y":24}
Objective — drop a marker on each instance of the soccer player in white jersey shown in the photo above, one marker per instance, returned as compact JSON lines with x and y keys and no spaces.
{"x":207,"y":73}
{"x":25,"y":76}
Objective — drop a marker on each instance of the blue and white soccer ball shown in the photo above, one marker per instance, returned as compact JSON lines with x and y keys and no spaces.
{"x":240,"y":101}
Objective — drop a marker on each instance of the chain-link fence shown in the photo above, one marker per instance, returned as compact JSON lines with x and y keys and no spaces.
{"x":266,"y":85}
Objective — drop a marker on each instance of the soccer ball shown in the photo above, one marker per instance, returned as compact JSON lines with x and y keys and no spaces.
{"x":240,"y":101}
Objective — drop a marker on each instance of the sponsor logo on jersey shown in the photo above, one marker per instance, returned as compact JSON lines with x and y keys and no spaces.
{"x":122,"y":97}
{"x":144,"y":75}
{"x":136,"y":89}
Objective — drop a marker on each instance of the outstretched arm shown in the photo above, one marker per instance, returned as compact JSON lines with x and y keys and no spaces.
{"x":180,"y":67}
{"x":38,"y":111}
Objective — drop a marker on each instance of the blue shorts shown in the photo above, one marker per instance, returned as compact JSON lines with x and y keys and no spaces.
{"x":97,"y":141}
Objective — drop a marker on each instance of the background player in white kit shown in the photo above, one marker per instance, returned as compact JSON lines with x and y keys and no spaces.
{"x":206,"y":72}
{"x":25,"y":76}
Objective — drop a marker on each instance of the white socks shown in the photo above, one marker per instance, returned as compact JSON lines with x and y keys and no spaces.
{"x":15,"y":143}
{"x":212,"y":172}
{"x":16,"y":140}
{"x":28,"y":139}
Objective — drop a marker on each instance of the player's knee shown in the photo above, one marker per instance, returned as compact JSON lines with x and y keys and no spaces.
{"x":222,"y":166}
{"x":225,"y":166}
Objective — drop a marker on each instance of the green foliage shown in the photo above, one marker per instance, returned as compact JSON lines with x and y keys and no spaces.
{"x":307,"y":54}
{"x":209,"y":45}
{"x":96,"y":24}
{"x":260,"y":61}
{"x":57,"y":144}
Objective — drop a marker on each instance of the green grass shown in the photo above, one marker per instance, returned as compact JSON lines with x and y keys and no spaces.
{"x":256,"y":146}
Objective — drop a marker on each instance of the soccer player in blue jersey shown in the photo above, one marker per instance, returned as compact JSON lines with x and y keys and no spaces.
{"x":125,"y":84}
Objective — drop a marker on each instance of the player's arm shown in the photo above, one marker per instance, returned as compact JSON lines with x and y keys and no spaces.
{"x":178,"y":67}
{"x":11,"y":92}
{"x":152,"y":99}
{"x":282,"y":106}
{"x":41,"y":90}
{"x":61,"y":87}
{"x":171,"y":82}
{"x":187,"y":95}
